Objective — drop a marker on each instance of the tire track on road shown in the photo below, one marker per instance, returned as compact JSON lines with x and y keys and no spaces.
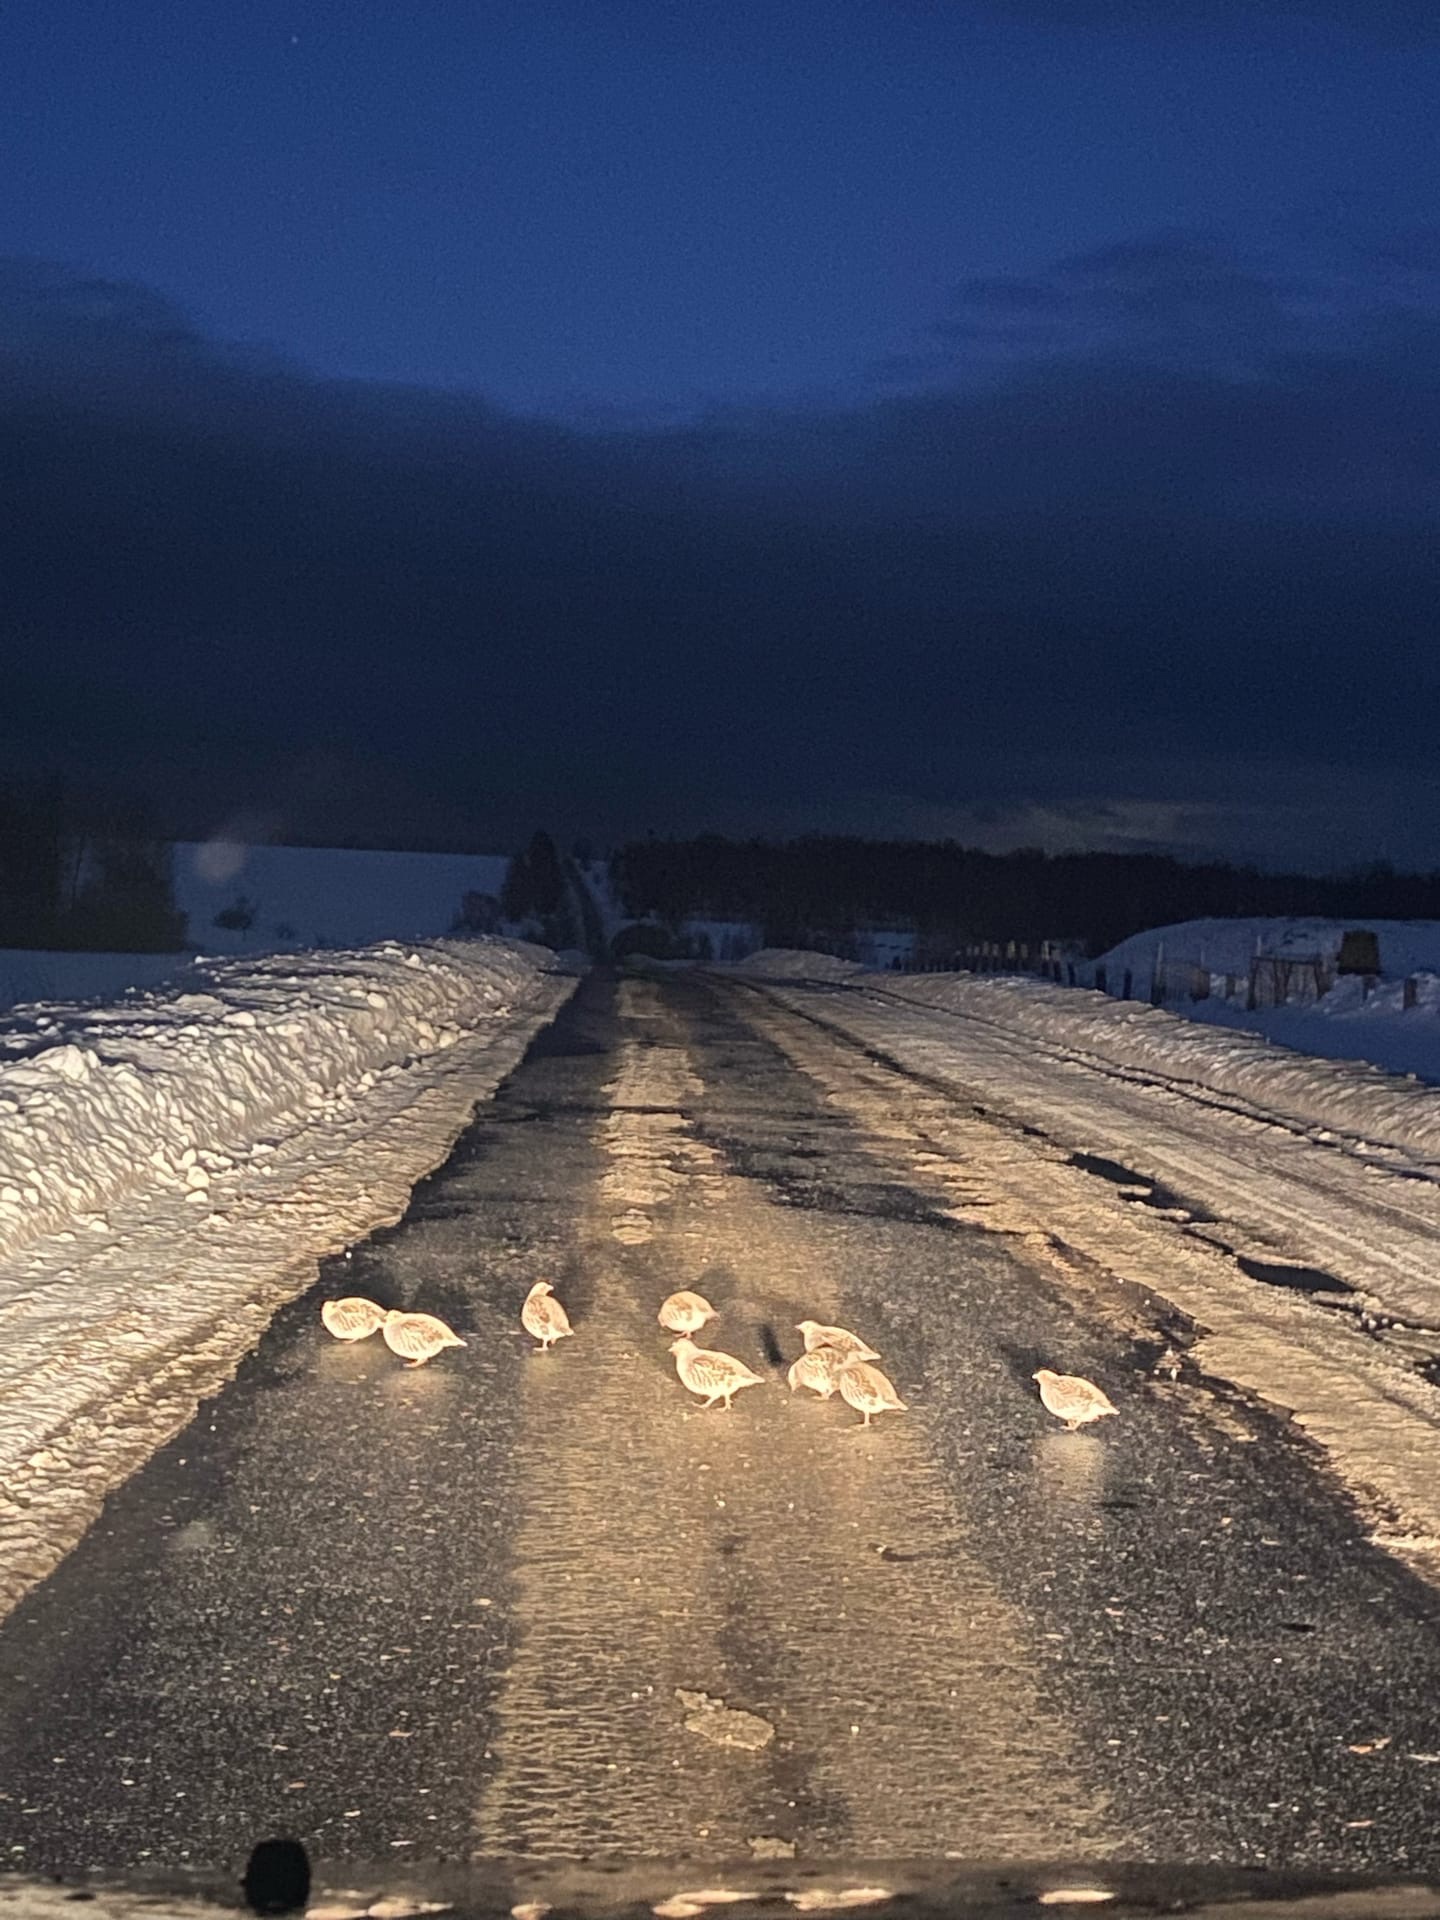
{"x":742,"y":1555}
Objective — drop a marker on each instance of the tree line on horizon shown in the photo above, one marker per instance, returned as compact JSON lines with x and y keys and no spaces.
{"x":819,"y":888}
{"x":72,"y":880}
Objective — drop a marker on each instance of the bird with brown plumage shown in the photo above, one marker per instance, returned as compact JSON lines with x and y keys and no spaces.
{"x":867,"y":1390}
{"x":818,"y":1370}
{"x":685,"y":1312}
{"x":418,"y":1337}
{"x":840,"y":1338}
{"x":544,"y":1317}
{"x":1072,"y":1399}
{"x":353,"y":1318}
{"x":714,"y":1376}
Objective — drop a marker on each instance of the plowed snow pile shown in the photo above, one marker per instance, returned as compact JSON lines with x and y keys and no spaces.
{"x":1335,"y":1095}
{"x":791,"y":963}
{"x":173,"y":1166}
{"x":1288,"y":1208}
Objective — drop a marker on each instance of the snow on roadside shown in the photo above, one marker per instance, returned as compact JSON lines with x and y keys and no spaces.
{"x":792,"y":963}
{"x":173,"y":1167}
{"x":1346,"y":1025}
{"x":1334,"y":1095}
{"x":169,"y":1087}
{"x":1354,"y":1020}
{"x":1227,"y":946}
{"x":1055,"y":1142}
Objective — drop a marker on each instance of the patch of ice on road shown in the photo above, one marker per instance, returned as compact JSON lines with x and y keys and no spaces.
{"x":726,"y":1726}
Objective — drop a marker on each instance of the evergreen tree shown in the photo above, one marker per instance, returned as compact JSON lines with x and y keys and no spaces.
{"x":126,"y":899}
{"x":517,"y":892}
{"x":31,"y":864}
{"x":547,"y":880}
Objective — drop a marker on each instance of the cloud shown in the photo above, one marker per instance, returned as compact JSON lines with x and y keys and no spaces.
{"x":1175,"y":299}
{"x":1106,"y":590}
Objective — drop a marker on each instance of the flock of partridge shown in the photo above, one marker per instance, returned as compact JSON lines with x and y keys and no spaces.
{"x":834,"y":1361}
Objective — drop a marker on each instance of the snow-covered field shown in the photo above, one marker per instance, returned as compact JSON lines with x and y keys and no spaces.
{"x":1288,"y":1207}
{"x":1347,"y":1023}
{"x":1228,"y":946}
{"x":32,"y":974}
{"x":300,"y":896}
{"x":172,"y":1168}
{"x":324,"y":896}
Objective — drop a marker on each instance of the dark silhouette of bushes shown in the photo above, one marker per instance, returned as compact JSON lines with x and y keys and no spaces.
{"x":535,"y":894}
{"x":102,"y":882}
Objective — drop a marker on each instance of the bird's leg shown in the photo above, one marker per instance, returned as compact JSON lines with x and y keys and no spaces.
{"x":414,"y":1363}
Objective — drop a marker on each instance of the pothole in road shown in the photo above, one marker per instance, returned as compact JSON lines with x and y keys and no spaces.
{"x":1412,"y":1344}
{"x":1136,"y":1187}
{"x":1415,"y":1346}
{"x":873,"y":1200}
{"x":1313,"y":1280}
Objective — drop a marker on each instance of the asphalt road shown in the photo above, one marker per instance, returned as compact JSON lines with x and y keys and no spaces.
{"x":451,"y":1613}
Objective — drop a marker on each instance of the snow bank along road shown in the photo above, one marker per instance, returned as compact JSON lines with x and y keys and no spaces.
{"x":1289,"y":1207}
{"x":539,"y":1607}
{"x":173,"y":1165}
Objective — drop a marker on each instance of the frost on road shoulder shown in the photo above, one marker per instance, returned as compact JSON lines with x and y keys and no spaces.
{"x":173,"y":1166}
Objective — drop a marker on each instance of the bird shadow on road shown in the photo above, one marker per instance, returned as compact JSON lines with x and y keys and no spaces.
{"x":1023,"y":1360}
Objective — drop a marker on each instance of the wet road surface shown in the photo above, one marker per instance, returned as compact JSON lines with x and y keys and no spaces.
{"x":467,"y":1610}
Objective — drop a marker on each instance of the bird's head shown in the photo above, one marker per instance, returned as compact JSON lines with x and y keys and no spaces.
{"x":683,"y":1345}
{"x":806,"y":1326}
{"x":392,"y":1314}
{"x":1043,"y":1374}
{"x":541,"y":1286}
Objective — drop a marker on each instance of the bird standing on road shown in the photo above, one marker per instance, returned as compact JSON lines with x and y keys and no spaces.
{"x":353,"y":1318}
{"x":418,"y":1337}
{"x":867,"y":1390}
{"x":817,"y":1370}
{"x":714,"y":1376}
{"x":840,"y":1338}
{"x":543,"y":1317}
{"x":1071,"y":1399}
{"x":686,"y":1312}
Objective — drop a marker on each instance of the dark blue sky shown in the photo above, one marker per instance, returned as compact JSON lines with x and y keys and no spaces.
{"x":633,"y":202}
{"x":1014,"y":419}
